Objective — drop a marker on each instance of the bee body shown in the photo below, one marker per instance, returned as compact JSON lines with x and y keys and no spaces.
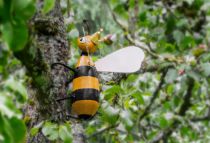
{"x":85,"y":96}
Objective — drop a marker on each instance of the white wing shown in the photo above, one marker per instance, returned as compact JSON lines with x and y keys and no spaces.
{"x":126,"y":60}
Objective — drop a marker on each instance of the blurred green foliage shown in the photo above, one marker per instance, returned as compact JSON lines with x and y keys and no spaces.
{"x":13,"y":95}
{"x":14,"y":16}
{"x":178,"y":31}
{"x":53,"y":132}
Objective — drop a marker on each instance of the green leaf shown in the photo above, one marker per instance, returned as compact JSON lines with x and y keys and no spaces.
{"x":109,"y":113}
{"x":178,"y":36}
{"x":195,"y":75}
{"x":187,"y":42}
{"x":48,"y":5}
{"x":171,"y":75}
{"x":164,"y":46}
{"x":34,"y":131}
{"x":170,"y":23}
{"x":36,"y":128}
{"x":182,"y":23}
{"x":206,"y":57}
{"x":23,"y":9}
{"x":205,"y":68}
{"x":65,"y":133}
{"x":17,"y":87}
{"x":163,"y":122}
{"x":132,"y":78}
{"x":126,"y":118}
{"x":19,"y":129}
{"x":190,"y":2}
{"x":50,"y":130}
{"x":15,"y":35}
{"x":188,"y":132}
{"x":167,"y":106}
{"x":170,"y":89}
{"x":109,"y":93}
{"x":4,"y":57}
{"x":5,"y":129}
{"x":119,"y":9}
{"x":7,"y":106}
{"x":12,"y":129}
{"x":176,"y":101}
{"x":137,"y":95}
{"x":5,"y":10}
{"x":143,"y":16}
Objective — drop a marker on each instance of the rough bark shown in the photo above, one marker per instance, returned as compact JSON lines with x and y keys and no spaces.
{"x":48,"y":45}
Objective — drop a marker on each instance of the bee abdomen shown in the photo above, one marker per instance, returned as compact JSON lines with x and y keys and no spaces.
{"x":85,"y":96}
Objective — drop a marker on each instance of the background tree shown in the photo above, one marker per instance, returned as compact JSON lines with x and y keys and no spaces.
{"x":167,"y":100}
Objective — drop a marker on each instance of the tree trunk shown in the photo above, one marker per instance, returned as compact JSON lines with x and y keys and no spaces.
{"x":48,"y":45}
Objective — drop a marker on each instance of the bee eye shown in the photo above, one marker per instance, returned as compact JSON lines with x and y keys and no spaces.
{"x":83,"y":40}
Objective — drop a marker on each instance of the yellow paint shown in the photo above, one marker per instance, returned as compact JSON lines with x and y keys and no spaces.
{"x":86,"y":44}
{"x":87,"y":107}
{"x":85,"y":82}
{"x":85,"y":61}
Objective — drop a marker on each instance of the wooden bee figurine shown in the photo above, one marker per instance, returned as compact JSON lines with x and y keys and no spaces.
{"x":85,"y":95}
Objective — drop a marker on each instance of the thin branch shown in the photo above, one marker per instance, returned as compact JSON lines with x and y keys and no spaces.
{"x":154,"y":96}
{"x":204,"y":118}
{"x":123,"y":27}
{"x":133,"y":18}
{"x":68,"y":8}
{"x":133,"y":134}
{"x":184,"y":107}
{"x":141,"y":45}
{"x":156,"y":68}
{"x":198,"y":119}
{"x":127,"y":35}
{"x":187,"y":97}
{"x":102,"y":131}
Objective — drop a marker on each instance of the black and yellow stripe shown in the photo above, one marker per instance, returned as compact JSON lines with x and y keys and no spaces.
{"x":86,"y":71}
{"x":85,"y":82}
{"x":85,"y":96}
